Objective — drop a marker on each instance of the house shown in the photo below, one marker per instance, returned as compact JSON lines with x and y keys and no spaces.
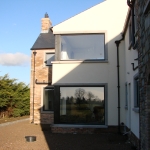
{"x":85,"y":72}
{"x":42,"y":54}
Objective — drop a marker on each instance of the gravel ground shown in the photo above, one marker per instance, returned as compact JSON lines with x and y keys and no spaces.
{"x":12,"y":137}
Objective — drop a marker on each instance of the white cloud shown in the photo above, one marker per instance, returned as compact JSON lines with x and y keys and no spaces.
{"x":16,"y":59}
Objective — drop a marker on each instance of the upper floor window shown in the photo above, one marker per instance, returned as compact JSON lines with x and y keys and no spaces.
{"x":83,"y":47}
{"x":49,"y":57}
{"x":133,"y":28}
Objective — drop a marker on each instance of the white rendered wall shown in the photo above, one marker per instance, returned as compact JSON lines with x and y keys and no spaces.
{"x":107,"y":17}
{"x":132,"y":117}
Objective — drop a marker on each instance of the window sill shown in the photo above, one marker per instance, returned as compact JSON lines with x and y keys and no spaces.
{"x":136,"y":109}
{"x":78,"y":61}
{"x":47,"y":112}
{"x":126,"y":107}
{"x":78,"y":126}
{"x":46,"y":66}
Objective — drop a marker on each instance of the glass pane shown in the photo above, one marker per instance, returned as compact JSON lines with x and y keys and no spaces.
{"x":49,"y":58}
{"x":88,"y":46}
{"x":48,"y":99}
{"x":82,"y":105}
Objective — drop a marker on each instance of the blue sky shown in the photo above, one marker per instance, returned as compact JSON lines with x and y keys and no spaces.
{"x":20,"y":26}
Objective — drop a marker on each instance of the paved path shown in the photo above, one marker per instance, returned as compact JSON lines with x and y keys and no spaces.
{"x":12,"y":137}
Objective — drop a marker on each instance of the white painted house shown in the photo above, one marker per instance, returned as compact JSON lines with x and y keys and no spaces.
{"x":86,"y":58}
{"x":92,"y":75}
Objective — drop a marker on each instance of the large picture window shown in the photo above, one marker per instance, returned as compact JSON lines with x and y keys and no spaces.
{"x":82,"y":105}
{"x":83,"y":47}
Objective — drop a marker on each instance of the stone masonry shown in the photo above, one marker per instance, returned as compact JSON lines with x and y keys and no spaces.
{"x":143,"y":23}
{"x":42,"y":74}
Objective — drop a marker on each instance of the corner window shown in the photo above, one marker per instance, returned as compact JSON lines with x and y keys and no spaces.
{"x":83,"y":47}
{"x":82,"y":105}
{"x":48,"y":58}
{"x":48,"y":98}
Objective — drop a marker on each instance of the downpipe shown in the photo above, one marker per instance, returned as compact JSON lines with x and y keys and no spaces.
{"x":118,"y":80}
{"x":34,"y":53}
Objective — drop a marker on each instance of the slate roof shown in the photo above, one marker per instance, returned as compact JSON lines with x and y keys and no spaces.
{"x":44,"y":41}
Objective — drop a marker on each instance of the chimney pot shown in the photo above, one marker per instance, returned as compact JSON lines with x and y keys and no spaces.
{"x":46,"y":24}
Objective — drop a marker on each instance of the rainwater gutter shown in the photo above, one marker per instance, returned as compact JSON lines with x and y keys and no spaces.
{"x":118,"y":80}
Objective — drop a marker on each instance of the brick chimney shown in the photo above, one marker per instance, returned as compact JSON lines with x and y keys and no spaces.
{"x":46,"y":24}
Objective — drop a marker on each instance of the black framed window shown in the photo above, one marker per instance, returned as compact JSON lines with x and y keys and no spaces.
{"x":136,"y":92}
{"x":48,"y":99}
{"x":83,"y":47}
{"x":81,"y":105}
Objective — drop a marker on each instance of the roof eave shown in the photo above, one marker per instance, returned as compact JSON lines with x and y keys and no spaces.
{"x":126,"y":21}
{"x":41,"y":48}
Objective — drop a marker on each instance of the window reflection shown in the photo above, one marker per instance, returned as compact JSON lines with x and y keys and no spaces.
{"x":82,"y":105}
{"x":82,"y":47}
{"x":48,"y":98}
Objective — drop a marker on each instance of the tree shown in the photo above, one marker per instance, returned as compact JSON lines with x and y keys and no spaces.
{"x":14,"y":97}
{"x":79,"y":94}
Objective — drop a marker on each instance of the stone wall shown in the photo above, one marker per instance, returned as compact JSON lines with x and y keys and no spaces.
{"x":43,"y":75}
{"x":143,"y":23}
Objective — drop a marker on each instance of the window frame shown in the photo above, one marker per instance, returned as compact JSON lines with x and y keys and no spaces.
{"x":136,"y":93}
{"x":57,"y":102}
{"x":45,"y":61}
{"x":132,"y":29}
{"x":58,"y":47}
{"x":85,"y":35}
{"x":42,"y":99}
